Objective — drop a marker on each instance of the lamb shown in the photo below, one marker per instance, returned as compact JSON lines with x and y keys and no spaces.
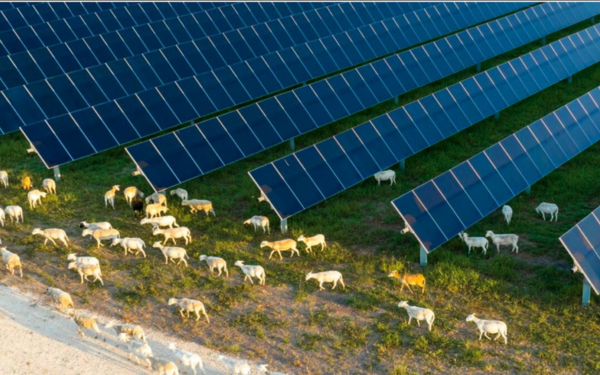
{"x":86,"y":270}
{"x":174,"y":233}
{"x":136,"y":349}
{"x":387,"y":175}
{"x":181,"y":193}
{"x":85,"y":320}
{"x":86,"y":261}
{"x":60,"y":297}
{"x":319,"y":239}
{"x":507,"y":212}
{"x":199,"y":205}
{"x":279,"y":246}
{"x":186,"y":304}
{"x":109,"y":196}
{"x":101,"y":235}
{"x":259,"y":221}
{"x":326,"y":277}
{"x":215,"y":262}
{"x":52,"y":234}
{"x":471,"y":242}
{"x":419,"y":313}
{"x":101,"y":225}
{"x":191,"y":360}
{"x":252,"y":271}
{"x":504,"y":239}
{"x":163,"y":366}
{"x":548,"y":208}
{"x":158,"y":198}
{"x":172,"y":253}
{"x":155,"y":209}
{"x":130,"y":244}
{"x":11,"y":261}
{"x":2,"y":217}
{"x":129,"y":330}
{"x":26,"y":183}
{"x":132,"y":192}
{"x":4,"y":178}
{"x":489,"y":326}
{"x":408,"y":280}
{"x":138,"y":206}
{"x":49,"y":185}
{"x":35,"y":196}
{"x":235,"y":366}
{"x":14,"y":212}
{"x":162,"y":221}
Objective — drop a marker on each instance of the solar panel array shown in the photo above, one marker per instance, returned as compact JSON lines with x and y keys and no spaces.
{"x":314,"y":174}
{"x":583,"y":243}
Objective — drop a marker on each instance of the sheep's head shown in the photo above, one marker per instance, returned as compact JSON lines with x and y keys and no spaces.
{"x":470,"y":318}
{"x":117,"y":187}
{"x":489,"y":233}
{"x":394,"y":274}
{"x":37,"y":231}
{"x":43,"y":194}
{"x":403,"y":304}
{"x":309,"y":276}
{"x":249,"y":221}
{"x":239,"y":263}
{"x":72,"y":257}
{"x":122,"y":337}
{"x":202,"y":257}
{"x":115,"y":241}
{"x":185,"y":202}
{"x":172,"y":301}
{"x":156,"y":231}
{"x":144,"y":221}
{"x":72,"y":265}
{"x":262,"y":368}
{"x":265,"y":244}
{"x":83,"y":224}
{"x":148,"y":200}
{"x":301,"y":238}
{"x":87,"y":232}
{"x":173,"y":192}
{"x":140,"y":194}
{"x":157,"y":244}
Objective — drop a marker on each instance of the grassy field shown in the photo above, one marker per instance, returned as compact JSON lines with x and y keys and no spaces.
{"x":291,"y":325}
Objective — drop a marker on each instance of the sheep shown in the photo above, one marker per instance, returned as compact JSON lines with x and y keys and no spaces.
{"x":130,"y":244}
{"x":507,"y":211}
{"x":235,"y":366}
{"x":11,"y":261}
{"x":279,"y":246}
{"x":132,"y":192}
{"x":504,"y":239}
{"x":419,"y":313}
{"x":2,"y":217}
{"x":86,"y":261}
{"x":159,"y":198}
{"x":86,"y":270}
{"x":129,"y":330}
{"x":100,"y":225}
{"x":60,"y":297}
{"x":137,"y":206}
{"x":187,"y":305}
{"x":191,"y":360}
{"x":319,"y":239}
{"x":52,"y":234}
{"x":14,"y":212}
{"x":489,"y":326}
{"x":548,"y":208}
{"x":262,"y":369}
{"x":49,"y":185}
{"x":155,"y":209}
{"x":35,"y":196}
{"x":109,"y":196}
{"x":163,"y":366}
{"x":136,"y":349}
{"x":409,"y":279}
{"x":199,"y":205}
{"x":326,"y":277}
{"x":181,"y":193}
{"x":252,"y":271}
{"x":162,"y":221}
{"x":385,"y":176}
{"x":259,"y":221}
{"x":172,"y":253}
{"x":84,"y":320}
{"x":174,"y":233}
{"x":215,"y":262}
{"x":471,"y":242}
{"x":101,"y":235}
{"x":4,"y":178}
{"x":26,"y":183}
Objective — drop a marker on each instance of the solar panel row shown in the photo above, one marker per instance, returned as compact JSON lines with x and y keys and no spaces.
{"x":13,"y":5}
{"x":165,"y":160}
{"x":316,"y":173}
{"x":441,"y":208}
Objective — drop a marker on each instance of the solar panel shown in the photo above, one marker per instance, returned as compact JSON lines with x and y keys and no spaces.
{"x":357,"y":154}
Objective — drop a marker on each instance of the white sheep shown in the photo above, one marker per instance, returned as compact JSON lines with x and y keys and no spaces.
{"x":87,"y":261}
{"x":174,"y":233}
{"x":187,"y":305}
{"x":129,"y":330}
{"x":14,"y":212}
{"x":489,"y":326}
{"x":101,"y":234}
{"x":163,"y":366}
{"x":319,"y":239}
{"x":35,"y":196}
{"x":548,"y":208}
{"x":279,"y":246}
{"x":181,"y":193}
{"x":236,"y":367}
{"x":259,"y":221}
{"x":215,"y":262}
{"x":11,"y":261}
{"x":100,"y":225}
{"x":84,"y":320}
{"x":191,"y":360}
{"x":504,"y":239}
{"x":85,"y":270}
{"x":130,"y":193}
{"x":252,"y":271}
{"x":52,"y":234}
{"x":262,"y":369}
{"x":172,"y":253}
{"x":4,"y":178}
{"x":387,"y":175}
{"x":161,"y":221}
{"x":326,"y":277}
{"x":49,"y":185}
{"x":2,"y":216}
{"x":471,"y":242}
{"x":418,"y":313}
{"x":109,"y":196}
{"x":159,"y":198}
{"x":507,"y":211}
{"x":130,"y":244}
{"x":60,"y":297}
{"x":199,"y":205}
{"x":155,"y":209}
{"x":137,"y":349}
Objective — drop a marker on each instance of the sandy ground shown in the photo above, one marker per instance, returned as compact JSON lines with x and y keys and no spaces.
{"x":37,"y":338}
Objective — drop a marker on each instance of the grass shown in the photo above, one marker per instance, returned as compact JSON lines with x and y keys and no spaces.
{"x":360,"y":329}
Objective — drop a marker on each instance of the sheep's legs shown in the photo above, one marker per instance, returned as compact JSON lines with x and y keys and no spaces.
{"x":334,"y":284}
{"x":418,"y":322}
{"x":321,"y":286}
{"x":342,"y":282}
{"x":486,"y":336}
{"x":408,"y":286}
{"x":409,"y":319}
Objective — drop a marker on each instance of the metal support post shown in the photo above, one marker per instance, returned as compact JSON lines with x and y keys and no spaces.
{"x":570,"y":79}
{"x":497,"y":116}
{"x":293,"y":144}
{"x":284,"y":227}
{"x":423,"y":256}
{"x":528,"y":190}
{"x":403,"y":164}
{"x":585,"y":298}
{"x":543,"y":41}
{"x":57,"y":173}
{"x":478,"y":67}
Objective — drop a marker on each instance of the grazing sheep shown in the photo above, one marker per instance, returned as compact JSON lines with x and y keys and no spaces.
{"x":419,"y":313}
{"x":191,"y":360}
{"x":259,"y":221}
{"x":137,"y":349}
{"x":35,"y":196}
{"x":14,"y":212}
{"x":93,"y":226}
{"x":548,"y":208}
{"x":489,"y":326}
{"x":161,"y":221}
{"x":4,"y":178}
{"x":319,"y":239}
{"x":187,"y":305}
{"x":416,"y":279}
{"x":132,"y":192}
{"x":155,"y":209}
{"x":199,"y":205}
{"x":159,"y":198}
{"x":262,"y":369}
{"x":26,"y":183}
{"x":471,"y":242}
{"x":49,"y":185}
{"x":387,"y":175}
{"x":138,"y":206}
{"x":163,"y":366}
{"x":181,"y":193}
{"x":326,"y":277}
{"x":86,"y":261}
{"x":101,"y":235}
{"x":252,"y":271}
{"x":86,"y":270}
{"x":172,"y":253}
{"x":504,"y":239}
{"x":84,"y":320}
{"x":2,"y":217}
{"x":52,"y":234}
{"x":109,"y":196}
{"x":174,"y":233}
{"x":507,"y":211}
{"x":236,"y":367}
{"x":129,"y":330}
{"x":60,"y":297}
{"x":11,"y":261}
{"x":215,"y":262}
{"x":130,"y":244}
{"x":279,"y":246}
